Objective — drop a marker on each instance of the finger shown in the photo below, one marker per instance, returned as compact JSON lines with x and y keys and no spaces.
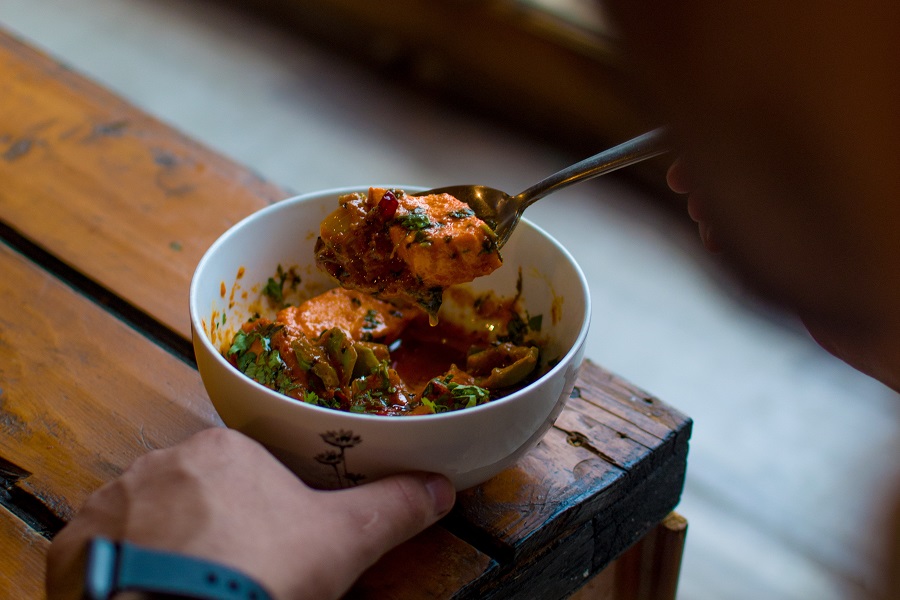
{"x":392,"y":510}
{"x":709,"y":240}
{"x":696,"y":207}
{"x":365,"y":522}
{"x":677,"y":178}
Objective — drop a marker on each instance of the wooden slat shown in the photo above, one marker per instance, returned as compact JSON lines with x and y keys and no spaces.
{"x":435,"y":565}
{"x":78,"y":163}
{"x":648,"y":570}
{"x":83,"y":394}
{"x":22,"y":554}
{"x":630,"y":402}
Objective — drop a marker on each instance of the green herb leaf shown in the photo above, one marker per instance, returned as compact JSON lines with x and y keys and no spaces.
{"x":462,"y":213}
{"x":274,"y":290}
{"x":415,"y":220}
{"x":370,"y":320}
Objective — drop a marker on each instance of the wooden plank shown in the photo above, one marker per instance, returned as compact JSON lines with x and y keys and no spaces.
{"x":22,"y":553}
{"x":624,"y":399}
{"x":549,"y":574}
{"x":534,"y":503}
{"x":648,"y":570}
{"x":580,"y":469}
{"x":80,"y":164}
{"x":83,"y":394}
{"x":435,"y":564}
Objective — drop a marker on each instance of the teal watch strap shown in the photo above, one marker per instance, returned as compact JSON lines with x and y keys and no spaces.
{"x":114,"y":567}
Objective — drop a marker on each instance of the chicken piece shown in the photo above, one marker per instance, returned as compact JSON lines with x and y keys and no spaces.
{"x":442,"y":241}
{"x":363,"y":317}
{"x":405,"y":248}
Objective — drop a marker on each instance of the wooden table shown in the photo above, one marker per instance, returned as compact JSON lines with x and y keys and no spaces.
{"x":104,"y":212}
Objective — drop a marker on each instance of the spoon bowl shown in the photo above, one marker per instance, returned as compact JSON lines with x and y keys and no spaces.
{"x":502,"y":211}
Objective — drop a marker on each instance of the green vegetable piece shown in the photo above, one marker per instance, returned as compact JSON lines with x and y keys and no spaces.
{"x":366,"y":359}
{"x":327,"y":374}
{"x":341,"y":353}
{"x":240,"y":343}
{"x":313,"y":359}
{"x":306,"y":354}
{"x":503,"y":365}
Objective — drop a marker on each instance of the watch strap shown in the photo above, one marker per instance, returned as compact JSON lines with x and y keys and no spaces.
{"x":114,"y":567}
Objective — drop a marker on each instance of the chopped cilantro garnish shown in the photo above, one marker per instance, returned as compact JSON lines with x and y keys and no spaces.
{"x":472,"y":395}
{"x":274,"y":288}
{"x":311,"y":397}
{"x":462,"y":213}
{"x":370,"y":320}
{"x":443,"y":395}
{"x":516,"y":330}
{"x":435,"y":408}
{"x":415,"y":220}
{"x":265,"y":367}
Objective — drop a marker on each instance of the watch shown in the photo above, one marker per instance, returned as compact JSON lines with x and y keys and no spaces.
{"x":114,"y":567}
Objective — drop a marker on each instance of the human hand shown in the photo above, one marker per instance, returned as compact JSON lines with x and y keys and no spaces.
{"x":834,"y":334}
{"x":223,"y":497}
{"x":680,"y":182}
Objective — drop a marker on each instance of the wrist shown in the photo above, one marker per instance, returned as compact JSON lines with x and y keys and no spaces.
{"x":114,"y":567}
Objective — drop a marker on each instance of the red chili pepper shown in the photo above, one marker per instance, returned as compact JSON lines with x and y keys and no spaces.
{"x":387,"y":206}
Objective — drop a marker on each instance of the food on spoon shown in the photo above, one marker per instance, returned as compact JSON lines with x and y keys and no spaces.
{"x":405,"y":248}
{"x":348,"y":351}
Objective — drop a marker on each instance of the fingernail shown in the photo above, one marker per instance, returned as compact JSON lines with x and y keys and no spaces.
{"x":442,"y":492}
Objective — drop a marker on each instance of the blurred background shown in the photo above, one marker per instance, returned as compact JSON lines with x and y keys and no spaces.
{"x":791,"y":449}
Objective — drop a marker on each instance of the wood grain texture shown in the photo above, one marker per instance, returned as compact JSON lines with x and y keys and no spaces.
{"x":434,"y":564}
{"x":83,"y":394}
{"x":583,"y":467}
{"x":646,"y":571}
{"x":109,"y":189}
{"x":22,"y":554}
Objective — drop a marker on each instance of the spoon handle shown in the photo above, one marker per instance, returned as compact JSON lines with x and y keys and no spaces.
{"x":648,"y":145}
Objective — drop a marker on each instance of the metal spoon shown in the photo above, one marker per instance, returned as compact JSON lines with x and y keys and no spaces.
{"x":502,"y":211}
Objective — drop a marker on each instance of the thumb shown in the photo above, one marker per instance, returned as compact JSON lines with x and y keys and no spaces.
{"x":389,"y":511}
{"x":365,"y":522}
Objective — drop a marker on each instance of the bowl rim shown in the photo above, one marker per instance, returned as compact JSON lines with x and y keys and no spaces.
{"x":198,"y":333}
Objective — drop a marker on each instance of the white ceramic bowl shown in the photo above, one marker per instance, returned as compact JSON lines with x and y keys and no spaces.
{"x":329,"y":448}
